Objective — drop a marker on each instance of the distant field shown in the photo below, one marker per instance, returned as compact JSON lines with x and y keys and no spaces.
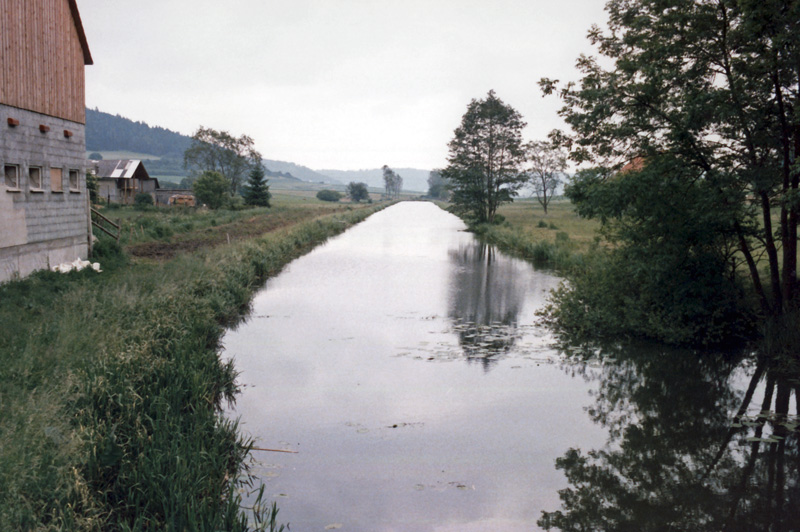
{"x":526,"y":215}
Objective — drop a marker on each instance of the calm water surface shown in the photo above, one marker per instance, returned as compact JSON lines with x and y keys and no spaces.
{"x":402,"y":362}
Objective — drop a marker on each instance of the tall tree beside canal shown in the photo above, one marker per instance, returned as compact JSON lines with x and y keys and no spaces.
{"x":703,"y":95}
{"x":219,"y":151}
{"x":486,"y":158}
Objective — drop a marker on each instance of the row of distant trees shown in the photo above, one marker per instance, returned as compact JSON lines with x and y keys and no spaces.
{"x":489,"y":162}
{"x":393,"y":183}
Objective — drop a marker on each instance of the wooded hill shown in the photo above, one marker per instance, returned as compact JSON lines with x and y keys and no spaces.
{"x":114,"y":133}
{"x":107,"y":132}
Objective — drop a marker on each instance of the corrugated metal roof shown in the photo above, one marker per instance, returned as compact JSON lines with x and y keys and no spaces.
{"x":118,"y":168}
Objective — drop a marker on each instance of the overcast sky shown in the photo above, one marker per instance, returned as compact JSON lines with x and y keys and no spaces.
{"x":332,"y":84}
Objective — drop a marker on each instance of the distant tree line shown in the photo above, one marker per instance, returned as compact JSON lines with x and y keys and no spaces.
{"x":107,"y":132}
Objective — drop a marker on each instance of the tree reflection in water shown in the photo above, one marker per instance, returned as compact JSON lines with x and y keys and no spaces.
{"x":486,"y":297}
{"x":683,"y":453}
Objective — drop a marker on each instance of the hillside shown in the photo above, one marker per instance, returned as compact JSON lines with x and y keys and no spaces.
{"x":107,"y":132}
{"x":298,"y":171}
{"x":414,"y":180}
{"x":161,"y":149}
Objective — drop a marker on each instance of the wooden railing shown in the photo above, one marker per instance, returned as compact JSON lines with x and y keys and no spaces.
{"x":104,"y":223}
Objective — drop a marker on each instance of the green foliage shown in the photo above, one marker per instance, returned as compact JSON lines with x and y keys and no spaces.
{"x":221,"y":152}
{"x":357,"y":191}
{"x":560,"y":255}
{"x":94,"y":156}
{"x":142,"y":200}
{"x":92,"y":186}
{"x":542,"y":224}
{"x":212,"y":189}
{"x":668,"y":276}
{"x":329,"y":195}
{"x":256,"y":192}
{"x":106,"y":132}
{"x":708,"y":83}
{"x":112,"y":390}
{"x":486,"y":157}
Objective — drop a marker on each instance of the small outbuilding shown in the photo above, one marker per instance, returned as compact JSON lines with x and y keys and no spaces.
{"x":120,"y":180}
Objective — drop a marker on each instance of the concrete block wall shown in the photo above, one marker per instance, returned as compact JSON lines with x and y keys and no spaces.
{"x":40,"y":228}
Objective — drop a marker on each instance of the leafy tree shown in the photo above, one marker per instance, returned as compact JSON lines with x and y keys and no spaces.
{"x":329,"y":195}
{"x":219,"y":151}
{"x":709,"y":88}
{"x":212,"y":189}
{"x":357,"y":191}
{"x":393,"y":183}
{"x":438,"y":188}
{"x":546,"y":164}
{"x":486,"y":157}
{"x":94,"y":156}
{"x":256,"y":192}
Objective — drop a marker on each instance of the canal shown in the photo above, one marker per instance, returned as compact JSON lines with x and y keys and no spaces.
{"x":403,"y":366}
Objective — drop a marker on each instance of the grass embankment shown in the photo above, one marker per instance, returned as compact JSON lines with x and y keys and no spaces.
{"x":558,"y":239}
{"x":111,"y":383}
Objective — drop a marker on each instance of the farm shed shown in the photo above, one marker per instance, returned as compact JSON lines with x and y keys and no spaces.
{"x":44,"y":205}
{"x":120,"y":180}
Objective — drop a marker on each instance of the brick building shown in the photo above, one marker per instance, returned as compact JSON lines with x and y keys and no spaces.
{"x":44,"y":204}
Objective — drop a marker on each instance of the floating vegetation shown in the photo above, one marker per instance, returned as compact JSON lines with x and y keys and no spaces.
{"x":484,"y":342}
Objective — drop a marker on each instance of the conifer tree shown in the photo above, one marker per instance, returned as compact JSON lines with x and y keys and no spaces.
{"x":256,"y":192}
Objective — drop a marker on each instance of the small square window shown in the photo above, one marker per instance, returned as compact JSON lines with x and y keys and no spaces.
{"x":12,"y":176}
{"x":73,"y":181}
{"x":56,"y":180}
{"x":35,"y":178}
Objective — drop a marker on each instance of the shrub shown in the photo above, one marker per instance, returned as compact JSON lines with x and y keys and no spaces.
{"x":552,"y":226}
{"x":542,"y":223}
{"x":212,"y":189}
{"x":329,"y":195}
{"x":142,"y":200}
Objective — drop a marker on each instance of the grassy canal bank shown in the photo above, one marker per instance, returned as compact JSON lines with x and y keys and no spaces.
{"x":111,"y":384}
{"x":559,"y":239}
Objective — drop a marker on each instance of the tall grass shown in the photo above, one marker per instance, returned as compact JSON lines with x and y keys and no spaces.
{"x":111,"y":389}
{"x":561,"y":254}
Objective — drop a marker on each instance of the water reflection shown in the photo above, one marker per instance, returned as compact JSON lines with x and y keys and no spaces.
{"x":351,"y":358}
{"x":695,"y":443}
{"x":486,"y":297}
